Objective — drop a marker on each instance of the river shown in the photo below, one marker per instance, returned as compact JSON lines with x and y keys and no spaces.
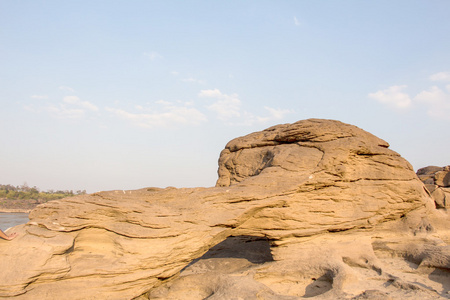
{"x":8,"y":220}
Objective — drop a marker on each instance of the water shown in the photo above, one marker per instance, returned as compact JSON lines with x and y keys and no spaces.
{"x":8,"y":220}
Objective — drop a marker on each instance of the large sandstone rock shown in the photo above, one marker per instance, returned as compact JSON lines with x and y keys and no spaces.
{"x":317,"y":208}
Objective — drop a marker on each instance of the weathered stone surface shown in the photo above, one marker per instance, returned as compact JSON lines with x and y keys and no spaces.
{"x":430,"y":170}
{"x":442,"y":178}
{"x":439,"y":198}
{"x":437,"y":182}
{"x":317,"y":208}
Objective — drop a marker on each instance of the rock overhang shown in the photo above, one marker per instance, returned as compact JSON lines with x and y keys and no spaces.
{"x":287,"y":182}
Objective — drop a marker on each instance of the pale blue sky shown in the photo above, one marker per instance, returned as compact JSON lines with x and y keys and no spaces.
{"x":103,"y":95}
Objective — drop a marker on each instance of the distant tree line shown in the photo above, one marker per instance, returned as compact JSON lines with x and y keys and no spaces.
{"x":25,"y":192}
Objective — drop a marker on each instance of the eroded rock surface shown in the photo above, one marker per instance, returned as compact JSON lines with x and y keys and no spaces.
{"x":317,"y":208}
{"x":437,"y":181}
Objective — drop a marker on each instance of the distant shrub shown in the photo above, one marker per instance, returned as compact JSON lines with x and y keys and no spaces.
{"x":24,"y":192}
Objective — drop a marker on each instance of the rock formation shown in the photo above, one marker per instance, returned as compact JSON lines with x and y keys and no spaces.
{"x":437,"y":181}
{"x":317,"y":208}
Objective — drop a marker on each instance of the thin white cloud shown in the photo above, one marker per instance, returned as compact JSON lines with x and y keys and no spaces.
{"x":441,"y":76}
{"x":77,"y":101}
{"x":437,"y":102}
{"x":189,"y":78}
{"x":168,"y":115}
{"x":63,"y":112}
{"x":164,"y":103}
{"x":228,"y":109}
{"x":71,"y":107}
{"x":393,"y":97}
{"x":31,"y":108}
{"x":274,"y":114}
{"x":296,"y":22}
{"x":152,"y":55}
{"x":215,"y":93}
{"x":66,"y":89}
{"x":226,"y":106}
{"x":39,"y":97}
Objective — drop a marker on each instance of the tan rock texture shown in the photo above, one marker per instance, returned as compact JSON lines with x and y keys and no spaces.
{"x":437,"y":181}
{"x":317,"y":209}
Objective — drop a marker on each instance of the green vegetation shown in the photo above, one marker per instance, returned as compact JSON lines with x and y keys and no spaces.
{"x":33,"y":193}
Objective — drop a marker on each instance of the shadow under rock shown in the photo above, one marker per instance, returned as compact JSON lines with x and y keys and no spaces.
{"x":252,"y":248}
{"x":319,"y":286}
{"x":442,"y":276}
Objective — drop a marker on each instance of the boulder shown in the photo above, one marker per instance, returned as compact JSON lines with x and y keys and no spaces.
{"x":430,"y":170}
{"x":439,"y":197}
{"x":317,"y":208}
{"x":442,"y":178}
{"x":437,"y":182}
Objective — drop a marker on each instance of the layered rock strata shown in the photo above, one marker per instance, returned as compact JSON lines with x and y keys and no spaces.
{"x":318,"y":208}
